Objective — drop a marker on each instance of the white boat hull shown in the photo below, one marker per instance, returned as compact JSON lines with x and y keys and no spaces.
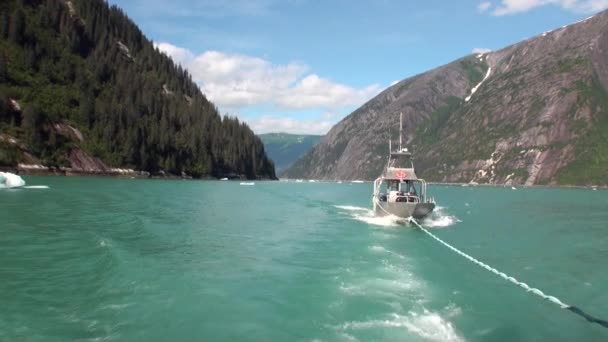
{"x":403,"y":209}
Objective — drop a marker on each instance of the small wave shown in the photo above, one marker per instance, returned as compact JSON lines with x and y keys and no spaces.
{"x":351,"y":208}
{"x":440,"y":219}
{"x":429,"y":325}
{"x":383,"y":221}
{"x":36,"y":187}
{"x":380,"y":249}
{"x":367,"y":215}
{"x":393,"y":280}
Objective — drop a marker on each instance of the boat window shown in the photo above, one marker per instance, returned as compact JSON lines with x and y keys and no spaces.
{"x":401,"y":161}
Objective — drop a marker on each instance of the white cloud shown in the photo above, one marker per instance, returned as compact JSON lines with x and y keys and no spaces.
{"x":236,"y":81}
{"x":481,"y":50}
{"x":508,"y":7}
{"x":273,"y":124}
{"x":484,"y":6}
{"x":179,"y":55}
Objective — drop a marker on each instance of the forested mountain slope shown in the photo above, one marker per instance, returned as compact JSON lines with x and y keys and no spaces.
{"x":82,"y":87}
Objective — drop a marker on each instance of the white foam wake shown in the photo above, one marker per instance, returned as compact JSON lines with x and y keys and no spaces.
{"x":440,"y":219}
{"x":367,"y":215}
{"x":428,"y":325}
{"x":10,"y":180}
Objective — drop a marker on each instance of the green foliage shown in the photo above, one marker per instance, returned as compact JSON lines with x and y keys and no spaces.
{"x":9,"y":154}
{"x":284,"y":149}
{"x":591,"y":159}
{"x":16,"y":29}
{"x":475,"y":70}
{"x":94,"y":70}
{"x":566,"y":65}
{"x":428,"y":132}
{"x":3,"y":70}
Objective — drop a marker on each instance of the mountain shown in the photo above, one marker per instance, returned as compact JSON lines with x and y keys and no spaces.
{"x":284,"y":149}
{"x":533,"y":113}
{"x":82,"y":89}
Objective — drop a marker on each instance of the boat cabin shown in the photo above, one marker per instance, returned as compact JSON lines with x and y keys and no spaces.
{"x":400,"y":190}
{"x":400,"y":166}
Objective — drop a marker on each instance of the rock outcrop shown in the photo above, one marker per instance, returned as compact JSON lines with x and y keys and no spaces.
{"x":533,"y":113}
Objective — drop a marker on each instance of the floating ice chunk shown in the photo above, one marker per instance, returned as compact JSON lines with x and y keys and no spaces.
{"x":10,"y":180}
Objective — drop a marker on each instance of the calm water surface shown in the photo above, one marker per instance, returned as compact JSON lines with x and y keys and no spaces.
{"x":96,"y":259}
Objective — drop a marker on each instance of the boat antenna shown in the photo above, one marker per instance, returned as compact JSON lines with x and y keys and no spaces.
{"x":400,"y":129}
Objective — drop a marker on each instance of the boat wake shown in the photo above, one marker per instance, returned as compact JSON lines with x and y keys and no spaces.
{"x":389,"y":280}
{"x":428,"y":325}
{"x":438,"y":219}
{"x":367,"y":215}
{"x":394,"y":286}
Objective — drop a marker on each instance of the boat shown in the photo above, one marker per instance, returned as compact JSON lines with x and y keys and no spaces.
{"x":246,"y":183}
{"x":398,"y":191}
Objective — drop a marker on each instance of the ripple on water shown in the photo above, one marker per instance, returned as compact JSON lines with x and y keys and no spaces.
{"x":428,"y":325}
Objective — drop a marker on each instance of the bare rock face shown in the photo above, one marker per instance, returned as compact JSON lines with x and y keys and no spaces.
{"x":533,"y":113}
{"x":81,"y":161}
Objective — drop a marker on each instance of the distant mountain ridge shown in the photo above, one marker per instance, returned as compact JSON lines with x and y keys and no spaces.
{"x":535,"y":112}
{"x":284,"y":148}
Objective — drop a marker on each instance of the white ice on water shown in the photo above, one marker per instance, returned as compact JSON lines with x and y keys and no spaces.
{"x":10,"y":180}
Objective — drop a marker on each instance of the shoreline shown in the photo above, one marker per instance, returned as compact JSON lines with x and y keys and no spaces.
{"x":465,"y":185}
{"x":129,"y":173}
{"x":40,"y":170}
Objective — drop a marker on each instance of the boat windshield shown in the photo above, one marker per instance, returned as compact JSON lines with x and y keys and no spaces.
{"x":401,"y":161}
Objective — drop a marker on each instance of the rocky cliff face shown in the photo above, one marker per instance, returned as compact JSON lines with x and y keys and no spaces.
{"x":532,"y":113}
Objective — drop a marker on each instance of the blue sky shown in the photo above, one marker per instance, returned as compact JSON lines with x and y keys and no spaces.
{"x":302,"y":65}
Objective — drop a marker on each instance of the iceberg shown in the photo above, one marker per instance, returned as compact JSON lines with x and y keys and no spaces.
{"x":10,"y":180}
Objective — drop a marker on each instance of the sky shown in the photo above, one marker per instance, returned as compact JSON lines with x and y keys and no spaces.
{"x":300,"y":66}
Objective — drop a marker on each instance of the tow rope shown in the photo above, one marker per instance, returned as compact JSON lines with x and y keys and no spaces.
{"x":525,"y":286}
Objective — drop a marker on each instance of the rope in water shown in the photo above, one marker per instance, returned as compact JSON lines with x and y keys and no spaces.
{"x":536,"y":291}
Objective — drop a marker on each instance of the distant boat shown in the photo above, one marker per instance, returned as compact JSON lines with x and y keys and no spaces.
{"x":513,"y":188}
{"x":339,"y":182}
{"x":299,"y":180}
{"x":224,"y":179}
{"x":398,"y":191}
{"x":312,"y":181}
{"x":358,"y":181}
{"x":247,"y":183}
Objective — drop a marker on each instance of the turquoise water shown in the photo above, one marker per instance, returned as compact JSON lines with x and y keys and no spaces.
{"x":154,"y":260}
